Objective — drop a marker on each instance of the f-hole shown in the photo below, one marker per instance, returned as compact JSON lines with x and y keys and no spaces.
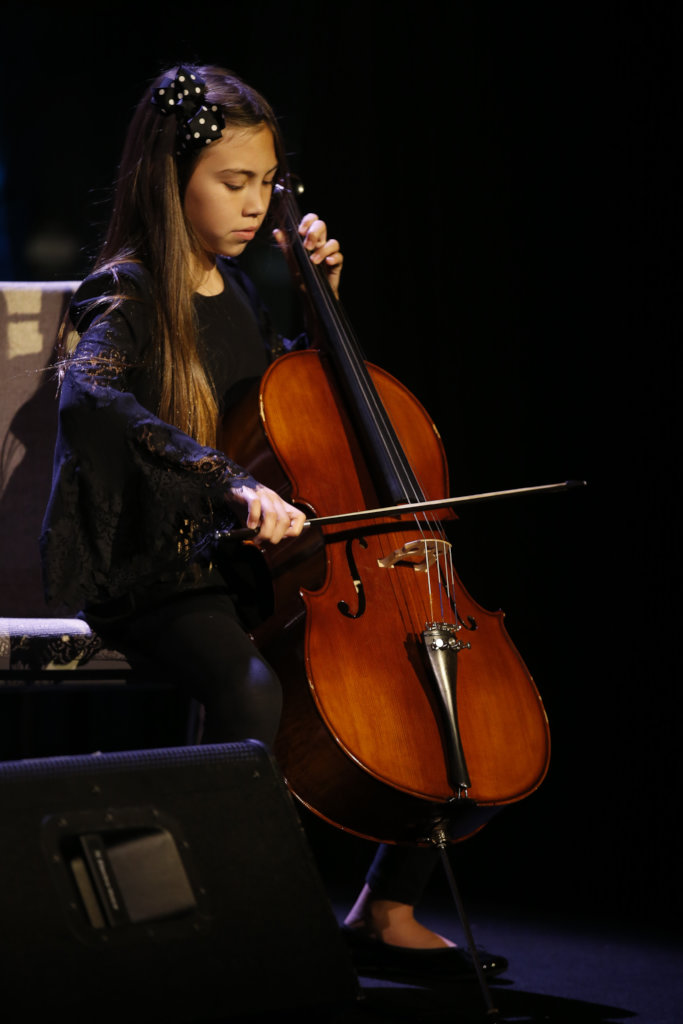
{"x":357,"y":582}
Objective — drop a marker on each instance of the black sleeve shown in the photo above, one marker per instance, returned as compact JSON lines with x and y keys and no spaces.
{"x":133,"y":498}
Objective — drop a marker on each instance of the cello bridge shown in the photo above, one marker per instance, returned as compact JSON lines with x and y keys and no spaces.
{"x":419,"y":555}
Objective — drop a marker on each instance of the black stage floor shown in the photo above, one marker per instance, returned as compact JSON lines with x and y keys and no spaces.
{"x":561,"y":972}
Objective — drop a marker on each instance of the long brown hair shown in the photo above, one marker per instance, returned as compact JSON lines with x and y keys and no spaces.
{"x":148,"y":225}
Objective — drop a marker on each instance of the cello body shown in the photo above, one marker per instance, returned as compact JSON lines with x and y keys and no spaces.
{"x":372,"y":738}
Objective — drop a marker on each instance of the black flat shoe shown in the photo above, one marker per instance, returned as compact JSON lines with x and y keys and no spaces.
{"x":449,"y":963}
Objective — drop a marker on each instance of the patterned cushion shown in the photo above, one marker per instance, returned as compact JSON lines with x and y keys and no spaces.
{"x":47,"y":645}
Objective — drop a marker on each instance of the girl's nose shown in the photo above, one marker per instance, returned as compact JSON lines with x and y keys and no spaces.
{"x":256,"y":201}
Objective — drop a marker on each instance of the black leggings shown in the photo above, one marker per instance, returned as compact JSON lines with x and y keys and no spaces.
{"x":197,"y":639}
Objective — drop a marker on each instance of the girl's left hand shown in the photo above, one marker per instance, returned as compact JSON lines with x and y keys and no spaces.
{"x":322,"y":249}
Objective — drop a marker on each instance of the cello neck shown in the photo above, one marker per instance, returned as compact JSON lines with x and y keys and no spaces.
{"x":392,"y":475}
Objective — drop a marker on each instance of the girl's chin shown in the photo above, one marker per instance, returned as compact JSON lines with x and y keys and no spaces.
{"x":232,"y":248}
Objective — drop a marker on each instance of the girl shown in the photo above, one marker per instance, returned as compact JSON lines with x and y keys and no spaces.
{"x":169,"y":332}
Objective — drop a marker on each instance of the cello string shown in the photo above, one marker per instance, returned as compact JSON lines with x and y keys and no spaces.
{"x":436,"y":544}
{"x":444,"y":572}
{"x":384,"y":431}
{"x":332,"y":309}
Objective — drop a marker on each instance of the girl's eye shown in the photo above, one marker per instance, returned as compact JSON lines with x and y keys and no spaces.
{"x":238,"y":188}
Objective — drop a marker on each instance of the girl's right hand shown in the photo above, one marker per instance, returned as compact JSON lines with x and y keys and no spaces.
{"x":268,"y":514}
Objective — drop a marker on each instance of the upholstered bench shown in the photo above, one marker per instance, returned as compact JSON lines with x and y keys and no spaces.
{"x":39,"y":651}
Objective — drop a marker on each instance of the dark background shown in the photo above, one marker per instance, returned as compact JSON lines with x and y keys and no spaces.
{"x":505,"y":183}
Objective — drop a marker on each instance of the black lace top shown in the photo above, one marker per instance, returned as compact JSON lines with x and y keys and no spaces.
{"x":135,"y":500}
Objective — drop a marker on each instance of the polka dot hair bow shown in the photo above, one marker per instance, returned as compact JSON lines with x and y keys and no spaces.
{"x":184,"y":96}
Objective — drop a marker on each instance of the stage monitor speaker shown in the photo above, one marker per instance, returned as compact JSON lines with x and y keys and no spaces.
{"x":161,"y":885}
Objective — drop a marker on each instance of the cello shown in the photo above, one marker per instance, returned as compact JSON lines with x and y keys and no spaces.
{"x":408,"y":716}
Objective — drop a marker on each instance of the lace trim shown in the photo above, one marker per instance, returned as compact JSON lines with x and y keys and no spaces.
{"x":214,"y":466}
{"x":134,"y":497}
